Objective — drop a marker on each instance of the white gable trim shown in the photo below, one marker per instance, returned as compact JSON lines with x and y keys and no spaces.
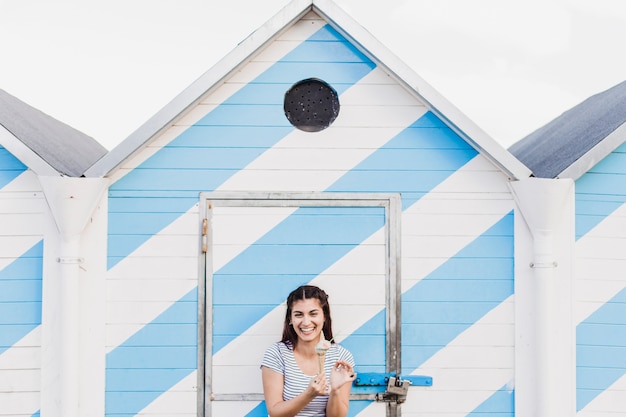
{"x":342,"y":22}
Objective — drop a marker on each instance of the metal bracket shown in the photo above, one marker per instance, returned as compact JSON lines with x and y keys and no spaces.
{"x":396,"y":387}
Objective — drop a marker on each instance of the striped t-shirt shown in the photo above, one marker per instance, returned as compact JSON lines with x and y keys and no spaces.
{"x":279,"y":357}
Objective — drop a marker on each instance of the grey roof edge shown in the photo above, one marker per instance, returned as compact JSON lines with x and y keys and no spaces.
{"x":369,"y":45}
{"x":203,"y":86}
{"x":61,"y":147}
{"x":579,"y":138}
{"x":26,"y":155}
{"x":597,"y":153}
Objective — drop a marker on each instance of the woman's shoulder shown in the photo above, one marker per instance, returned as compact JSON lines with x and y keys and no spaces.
{"x":276,"y":356}
{"x":279,"y":347}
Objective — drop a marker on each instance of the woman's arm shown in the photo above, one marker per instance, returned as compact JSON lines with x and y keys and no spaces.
{"x":341,"y":378}
{"x":273,"y":384}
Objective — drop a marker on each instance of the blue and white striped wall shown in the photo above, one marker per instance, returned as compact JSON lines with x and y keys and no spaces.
{"x":600,"y":312}
{"x":21,"y":268}
{"x":460,"y":249}
{"x":457,"y":238}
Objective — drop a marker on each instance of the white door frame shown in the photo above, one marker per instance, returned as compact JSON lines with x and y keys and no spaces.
{"x":392,"y":204}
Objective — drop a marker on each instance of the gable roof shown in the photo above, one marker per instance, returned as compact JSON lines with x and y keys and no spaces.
{"x":42,"y":143}
{"x":360,"y":38}
{"x":571,"y":144}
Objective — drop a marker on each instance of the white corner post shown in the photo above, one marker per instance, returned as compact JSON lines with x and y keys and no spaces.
{"x":72,"y":203}
{"x":545,"y":330}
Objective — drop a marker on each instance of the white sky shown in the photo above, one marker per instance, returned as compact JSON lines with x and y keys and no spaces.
{"x":105,"y":67}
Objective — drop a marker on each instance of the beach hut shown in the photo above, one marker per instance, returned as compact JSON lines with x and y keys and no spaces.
{"x":311,"y":154}
{"x":45,"y":211}
{"x":587,"y":144}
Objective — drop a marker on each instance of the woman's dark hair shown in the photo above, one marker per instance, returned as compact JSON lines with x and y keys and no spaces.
{"x":306,"y":291}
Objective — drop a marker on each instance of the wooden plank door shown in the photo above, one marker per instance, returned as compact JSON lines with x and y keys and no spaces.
{"x":259,"y":247}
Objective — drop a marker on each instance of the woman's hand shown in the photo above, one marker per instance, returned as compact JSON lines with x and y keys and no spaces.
{"x":318,"y":385}
{"x":341,"y":374}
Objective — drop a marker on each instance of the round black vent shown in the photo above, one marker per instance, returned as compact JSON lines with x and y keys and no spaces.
{"x":311,"y":105}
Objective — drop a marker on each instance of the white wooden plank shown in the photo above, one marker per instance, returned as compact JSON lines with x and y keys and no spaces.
{"x":160,"y":268}
{"x":232,"y":408}
{"x":602,"y":247}
{"x":21,"y":202}
{"x":378,"y":77}
{"x":433,"y":246}
{"x":370,"y":94}
{"x":18,"y":404}
{"x":173,"y":246}
{"x":433,"y":224}
{"x":377,"y":116}
{"x":19,"y":380}
{"x":26,"y":224}
{"x":21,"y":358}
{"x":27,"y":181}
{"x":238,"y":379}
{"x":156,"y":290}
{"x":480,"y":378}
{"x":280,"y":180}
{"x":310,"y":160}
{"x":340,"y":138}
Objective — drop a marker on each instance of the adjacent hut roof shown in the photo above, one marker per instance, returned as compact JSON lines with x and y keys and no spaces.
{"x":575,"y":141}
{"x":65,"y":149}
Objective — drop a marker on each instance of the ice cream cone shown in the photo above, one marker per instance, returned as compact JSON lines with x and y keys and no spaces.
{"x":321,"y":357}
{"x":321,"y":348}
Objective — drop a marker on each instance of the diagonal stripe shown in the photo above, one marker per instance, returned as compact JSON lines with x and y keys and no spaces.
{"x":154,"y":359}
{"x":168,"y":169}
{"x":601,"y":350}
{"x":10,"y":167}
{"x":20,"y":296}
{"x":600,"y":191}
{"x":413,"y":163}
{"x":456,"y":295}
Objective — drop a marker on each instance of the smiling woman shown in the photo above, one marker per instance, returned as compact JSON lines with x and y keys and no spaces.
{"x":294,"y":382}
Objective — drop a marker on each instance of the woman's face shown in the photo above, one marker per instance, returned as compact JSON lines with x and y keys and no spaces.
{"x":307,"y":319}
